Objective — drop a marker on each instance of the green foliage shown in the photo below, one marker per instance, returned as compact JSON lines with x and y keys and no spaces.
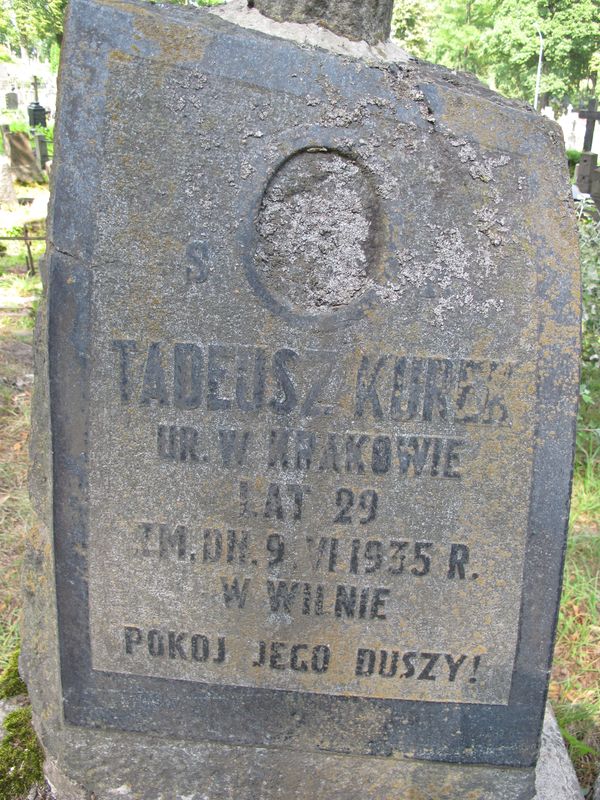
{"x":39,"y":22}
{"x":9,"y":626}
{"x":576,"y":699}
{"x":458,"y":34}
{"x":498,"y":40}
{"x":11,"y":683}
{"x":573,"y":157}
{"x":571,"y":34}
{"x":48,"y":131}
{"x":54,"y":56}
{"x":21,"y":757}
{"x":19,"y":126}
{"x":410,"y":25}
{"x":9,"y":34}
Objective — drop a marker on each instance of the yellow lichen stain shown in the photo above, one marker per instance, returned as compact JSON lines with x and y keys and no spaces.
{"x":504,"y":129}
{"x":119,"y":56}
{"x":176,"y":42}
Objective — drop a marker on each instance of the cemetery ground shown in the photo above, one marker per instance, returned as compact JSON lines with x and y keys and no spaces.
{"x":574,"y":690}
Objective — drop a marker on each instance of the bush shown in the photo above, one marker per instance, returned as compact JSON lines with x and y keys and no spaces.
{"x":19,"y":126}
{"x":589,"y":410}
{"x":589,"y":237}
{"x":573,"y":157}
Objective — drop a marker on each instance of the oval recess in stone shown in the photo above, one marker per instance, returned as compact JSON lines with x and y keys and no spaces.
{"x":318,"y":232}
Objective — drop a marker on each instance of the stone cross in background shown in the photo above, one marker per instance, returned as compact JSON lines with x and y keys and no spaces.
{"x":36,"y":113}
{"x":592,"y":115}
{"x":303,"y":428}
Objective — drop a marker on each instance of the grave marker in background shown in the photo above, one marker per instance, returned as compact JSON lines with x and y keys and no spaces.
{"x":591,"y":115}
{"x":12,"y":101}
{"x":306,"y":396}
{"x":22,"y":158}
{"x":584,"y":171}
{"x":41,"y":150}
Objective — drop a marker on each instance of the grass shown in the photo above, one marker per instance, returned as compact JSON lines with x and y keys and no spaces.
{"x":575,"y":687}
{"x":21,"y":757}
{"x":11,"y":684}
{"x":18,"y":297}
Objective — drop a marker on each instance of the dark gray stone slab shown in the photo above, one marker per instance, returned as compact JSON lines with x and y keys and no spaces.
{"x":12,"y":101}
{"x":307,"y":376}
{"x":368,"y":20}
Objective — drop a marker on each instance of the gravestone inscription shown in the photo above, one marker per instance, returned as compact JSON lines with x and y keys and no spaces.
{"x":304,"y":445}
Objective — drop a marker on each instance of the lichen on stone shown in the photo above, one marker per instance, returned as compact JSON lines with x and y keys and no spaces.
{"x":315,"y":231}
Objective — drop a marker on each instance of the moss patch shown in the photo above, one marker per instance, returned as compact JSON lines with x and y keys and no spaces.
{"x":21,"y":756}
{"x":11,"y":683}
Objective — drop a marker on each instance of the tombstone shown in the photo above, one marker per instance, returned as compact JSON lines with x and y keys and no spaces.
{"x":11,"y":100}
{"x":36,"y":113}
{"x":303,"y":420}
{"x":22,"y":158}
{"x":41,"y":150}
{"x":584,"y":170}
{"x":591,"y":115}
{"x":8,"y":195}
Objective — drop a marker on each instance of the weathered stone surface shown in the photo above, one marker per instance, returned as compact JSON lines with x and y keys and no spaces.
{"x":555,"y":777}
{"x":312,"y":35}
{"x":8,"y":196}
{"x":306,"y":383}
{"x":356,"y":19}
{"x":6,"y":708}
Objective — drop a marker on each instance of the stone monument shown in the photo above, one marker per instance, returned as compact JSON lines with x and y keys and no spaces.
{"x":22,"y":158}
{"x":306,"y":388}
{"x":11,"y":100}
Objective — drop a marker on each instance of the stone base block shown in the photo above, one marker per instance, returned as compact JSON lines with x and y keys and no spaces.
{"x":142,"y":768}
{"x":555,"y":777}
